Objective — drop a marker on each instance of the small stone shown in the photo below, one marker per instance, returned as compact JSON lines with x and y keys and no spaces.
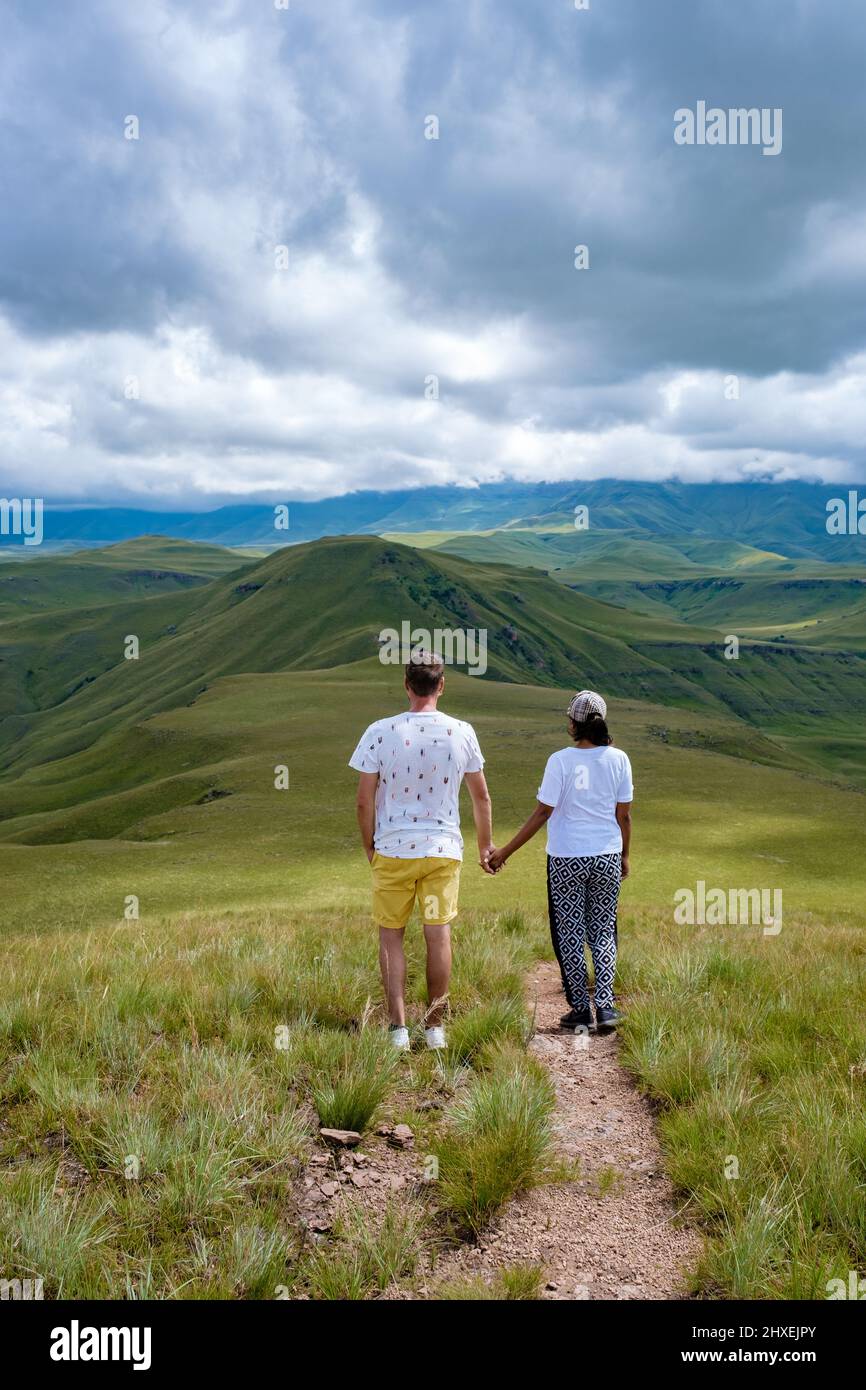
{"x":359,"y":1179}
{"x":330,"y":1189}
{"x":401,"y":1138}
{"x":343,"y":1138}
{"x":396,"y":1180}
{"x":552,"y":1286}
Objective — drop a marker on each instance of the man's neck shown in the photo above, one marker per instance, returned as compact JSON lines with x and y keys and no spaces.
{"x":423,"y":704}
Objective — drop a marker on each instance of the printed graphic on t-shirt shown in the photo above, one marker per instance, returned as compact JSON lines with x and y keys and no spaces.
{"x":421,"y":760}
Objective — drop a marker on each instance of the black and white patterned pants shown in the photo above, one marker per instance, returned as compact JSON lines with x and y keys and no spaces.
{"x":582,"y":897}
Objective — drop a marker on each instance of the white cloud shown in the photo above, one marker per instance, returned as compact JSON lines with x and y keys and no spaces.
{"x":155,"y":259}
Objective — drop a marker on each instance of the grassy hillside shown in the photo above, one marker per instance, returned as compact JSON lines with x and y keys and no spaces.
{"x":148,"y":566}
{"x":577,"y":556}
{"x":802,"y":607}
{"x":66,"y":686}
{"x":138,"y":814}
{"x":271,"y":618}
{"x":152,"y":1035}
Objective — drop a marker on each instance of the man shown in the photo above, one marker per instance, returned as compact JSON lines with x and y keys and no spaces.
{"x":411,"y":768}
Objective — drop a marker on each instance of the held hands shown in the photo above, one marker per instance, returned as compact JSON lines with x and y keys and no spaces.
{"x":492,"y":859}
{"x":484,"y":853}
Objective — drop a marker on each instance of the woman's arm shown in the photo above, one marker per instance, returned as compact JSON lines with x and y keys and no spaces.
{"x":623,"y":820}
{"x":540,"y":816}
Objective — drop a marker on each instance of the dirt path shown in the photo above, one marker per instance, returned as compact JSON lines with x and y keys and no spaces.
{"x":612,"y":1234}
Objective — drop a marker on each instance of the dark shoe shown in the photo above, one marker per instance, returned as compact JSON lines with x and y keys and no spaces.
{"x":573,"y":1019}
{"x":606,"y":1020}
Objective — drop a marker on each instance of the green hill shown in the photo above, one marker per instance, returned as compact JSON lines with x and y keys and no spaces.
{"x":145,"y":567}
{"x":80,"y":760}
{"x":199,"y":825}
{"x":65,"y":682}
{"x":573,"y":556}
{"x":747,"y":602}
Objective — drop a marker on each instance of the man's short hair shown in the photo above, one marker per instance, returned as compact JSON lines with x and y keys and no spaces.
{"x":424,"y":671}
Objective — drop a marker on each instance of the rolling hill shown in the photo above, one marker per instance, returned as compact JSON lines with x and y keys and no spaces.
{"x":121,"y":573}
{"x":78,"y":753}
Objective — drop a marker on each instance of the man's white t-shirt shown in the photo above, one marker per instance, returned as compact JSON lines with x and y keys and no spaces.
{"x":420,"y":759}
{"x":584,"y":785}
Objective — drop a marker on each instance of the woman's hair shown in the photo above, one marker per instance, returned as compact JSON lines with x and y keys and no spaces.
{"x":593,"y":727}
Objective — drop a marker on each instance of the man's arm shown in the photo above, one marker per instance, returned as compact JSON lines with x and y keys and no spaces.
{"x":365,"y":808}
{"x":623,"y":820}
{"x":482,"y":811}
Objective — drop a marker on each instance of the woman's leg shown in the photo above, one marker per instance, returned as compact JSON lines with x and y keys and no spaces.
{"x":602,"y":894}
{"x":566,"y":893}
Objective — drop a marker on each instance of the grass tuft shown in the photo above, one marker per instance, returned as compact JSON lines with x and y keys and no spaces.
{"x":497,"y":1142}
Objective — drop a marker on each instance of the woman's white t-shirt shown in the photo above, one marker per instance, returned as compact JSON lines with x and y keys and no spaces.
{"x":583,"y":785}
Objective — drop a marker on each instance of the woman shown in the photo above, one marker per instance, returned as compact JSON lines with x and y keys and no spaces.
{"x":585,"y":801}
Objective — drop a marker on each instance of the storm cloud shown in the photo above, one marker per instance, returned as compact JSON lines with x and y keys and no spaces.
{"x":283,"y":288}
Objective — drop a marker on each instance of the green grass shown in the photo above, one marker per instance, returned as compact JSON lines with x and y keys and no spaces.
{"x":208,"y":1037}
{"x":704,"y":809}
{"x":161,"y":1091}
{"x":117,"y":574}
{"x":757,"y":1059}
{"x":498,"y":1141}
{"x":348,"y":1094}
{"x":608,"y":1180}
{"x":365,"y":1259}
{"x":69,"y":694}
{"x":507,"y":1285}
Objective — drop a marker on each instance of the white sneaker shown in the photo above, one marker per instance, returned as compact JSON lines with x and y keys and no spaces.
{"x":435,"y":1038}
{"x":400,"y":1039}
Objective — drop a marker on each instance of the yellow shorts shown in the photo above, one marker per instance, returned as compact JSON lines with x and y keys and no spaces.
{"x":398,"y":882}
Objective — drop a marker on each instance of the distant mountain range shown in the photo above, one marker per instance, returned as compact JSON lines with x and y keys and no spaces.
{"x":788,"y":520}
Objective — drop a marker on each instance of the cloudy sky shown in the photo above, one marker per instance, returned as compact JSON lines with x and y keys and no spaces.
{"x":251,"y":299}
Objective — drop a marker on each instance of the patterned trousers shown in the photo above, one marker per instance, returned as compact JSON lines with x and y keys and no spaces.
{"x":582,"y":897}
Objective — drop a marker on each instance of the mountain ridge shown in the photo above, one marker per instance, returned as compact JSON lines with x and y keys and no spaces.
{"x":784,"y":518}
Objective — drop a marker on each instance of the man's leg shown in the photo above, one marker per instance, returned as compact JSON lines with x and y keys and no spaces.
{"x":438,"y":892}
{"x":438,"y":939}
{"x":392,"y":963}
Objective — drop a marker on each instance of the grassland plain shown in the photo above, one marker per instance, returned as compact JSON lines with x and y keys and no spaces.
{"x":148,"y":1044}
